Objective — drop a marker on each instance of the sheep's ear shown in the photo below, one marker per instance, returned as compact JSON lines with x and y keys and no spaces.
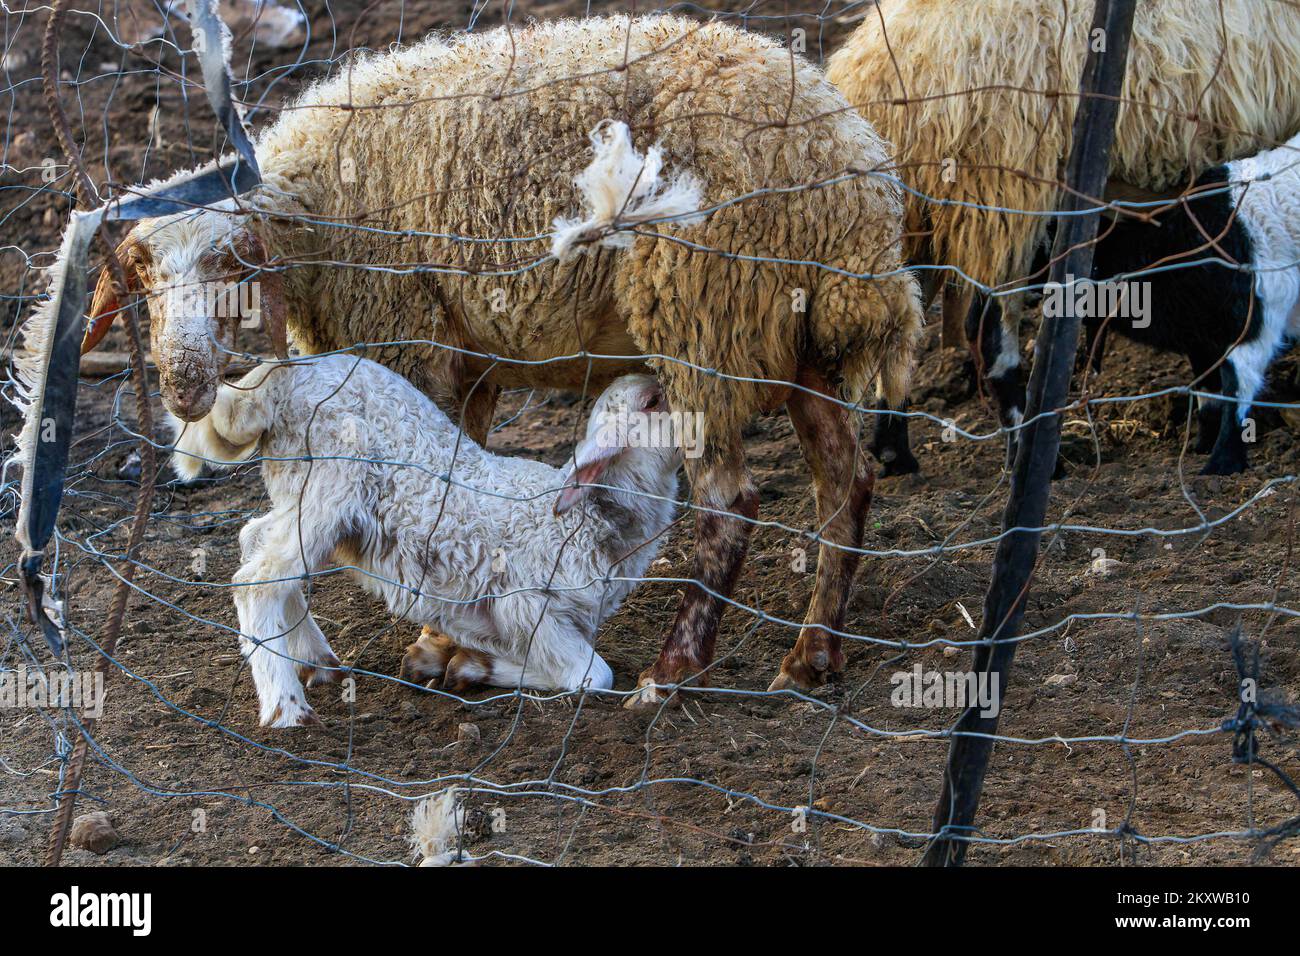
{"x":271,"y":285}
{"x":105,"y":307}
{"x":590,"y":464}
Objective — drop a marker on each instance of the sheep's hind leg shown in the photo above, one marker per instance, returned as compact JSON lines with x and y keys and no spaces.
{"x":843,"y":479}
{"x":727,"y":504}
{"x":588,"y":670}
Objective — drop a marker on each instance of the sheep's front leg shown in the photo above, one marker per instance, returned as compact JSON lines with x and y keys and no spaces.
{"x":477,"y":404}
{"x":727,"y":503}
{"x":843,"y":479}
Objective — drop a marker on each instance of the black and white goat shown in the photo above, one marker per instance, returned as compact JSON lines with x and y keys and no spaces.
{"x":1231,"y":313}
{"x":489,"y":552}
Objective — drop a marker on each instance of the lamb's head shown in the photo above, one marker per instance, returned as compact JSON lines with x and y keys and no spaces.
{"x":633,"y":441}
{"x":194,"y":269}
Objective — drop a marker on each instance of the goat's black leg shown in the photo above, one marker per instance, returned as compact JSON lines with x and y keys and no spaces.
{"x":1208,"y":411}
{"x":1229,"y":455}
{"x":997,"y":353}
{"x":890,"y":444}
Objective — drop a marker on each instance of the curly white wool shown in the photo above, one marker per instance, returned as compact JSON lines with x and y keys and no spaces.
{"x":356,"y":463}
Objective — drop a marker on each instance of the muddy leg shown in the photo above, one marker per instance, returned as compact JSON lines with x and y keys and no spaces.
{"x":891,"y":445}
{"x":475,"y":408}
{"x":720,"y":482}
{"x":843,"y":478}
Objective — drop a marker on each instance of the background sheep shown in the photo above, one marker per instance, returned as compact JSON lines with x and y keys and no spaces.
{"x":1249,"y":214}
{"x":969,"y":103}
{"x":520,"y":590}
{"x":491,"y":130}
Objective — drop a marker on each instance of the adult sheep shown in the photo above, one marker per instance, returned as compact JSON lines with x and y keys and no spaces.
{"x":968,"y":98}
{"x":412,"y":197}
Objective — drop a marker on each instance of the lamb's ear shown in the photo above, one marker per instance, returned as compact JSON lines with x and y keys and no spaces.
{"x":590,"y":462}
{"x":105,"y":307}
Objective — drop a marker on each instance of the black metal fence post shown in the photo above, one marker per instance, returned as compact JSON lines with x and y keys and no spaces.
{"x":1049,"y":382}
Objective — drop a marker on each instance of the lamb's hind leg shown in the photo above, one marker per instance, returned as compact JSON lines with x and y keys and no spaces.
{"x":426,"y":660}
{"x":843,"y":479}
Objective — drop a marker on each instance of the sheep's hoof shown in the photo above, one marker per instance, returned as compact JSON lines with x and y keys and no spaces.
{"x":805,"y":675}
{"x":650,"y":695}
{"x":290,"y":713}
{"x":327,"y":671}
{"x":902,"y":463}
{"x":1223,"y":466}
{"x":426,"y":660}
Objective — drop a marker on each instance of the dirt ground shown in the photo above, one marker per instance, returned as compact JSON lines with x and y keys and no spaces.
{"x":712,"y":783}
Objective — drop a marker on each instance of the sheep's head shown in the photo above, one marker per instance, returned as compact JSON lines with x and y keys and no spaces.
{"x":194,"y":269}
{"x":633,"y":438}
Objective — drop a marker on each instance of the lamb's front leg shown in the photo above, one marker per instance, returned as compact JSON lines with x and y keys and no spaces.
{"x":264,"y":624}
{"x":727,"y":504}
{"x":272,"y":616}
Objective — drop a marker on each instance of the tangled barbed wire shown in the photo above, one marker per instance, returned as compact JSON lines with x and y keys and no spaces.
{"x":791,"y":774}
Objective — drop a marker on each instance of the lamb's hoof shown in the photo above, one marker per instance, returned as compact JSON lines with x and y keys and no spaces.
{"x":805,"y":675}
{"x":466,"y":669}
{"x":328,"y":671}
{"x":426,"y":660}
{"x":290,"y":712}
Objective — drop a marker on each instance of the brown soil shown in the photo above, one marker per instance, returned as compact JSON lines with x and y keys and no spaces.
{"x":711,"y":783}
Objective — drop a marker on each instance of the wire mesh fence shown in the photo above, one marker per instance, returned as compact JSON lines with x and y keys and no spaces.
{"x":1151,"y":717}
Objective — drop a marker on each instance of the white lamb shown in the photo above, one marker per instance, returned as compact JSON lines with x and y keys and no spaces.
{"x":355,"y":461}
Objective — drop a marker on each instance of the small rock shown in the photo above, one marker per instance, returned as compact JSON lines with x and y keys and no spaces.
{"x":882,"y":840}
{"x":1103,"y":566}
{"x":468,"y":733}
{"x":11,"y":831}
{"x":254,"y":849}
{"x":94,"y":832}
{"x":1061,"y":680}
